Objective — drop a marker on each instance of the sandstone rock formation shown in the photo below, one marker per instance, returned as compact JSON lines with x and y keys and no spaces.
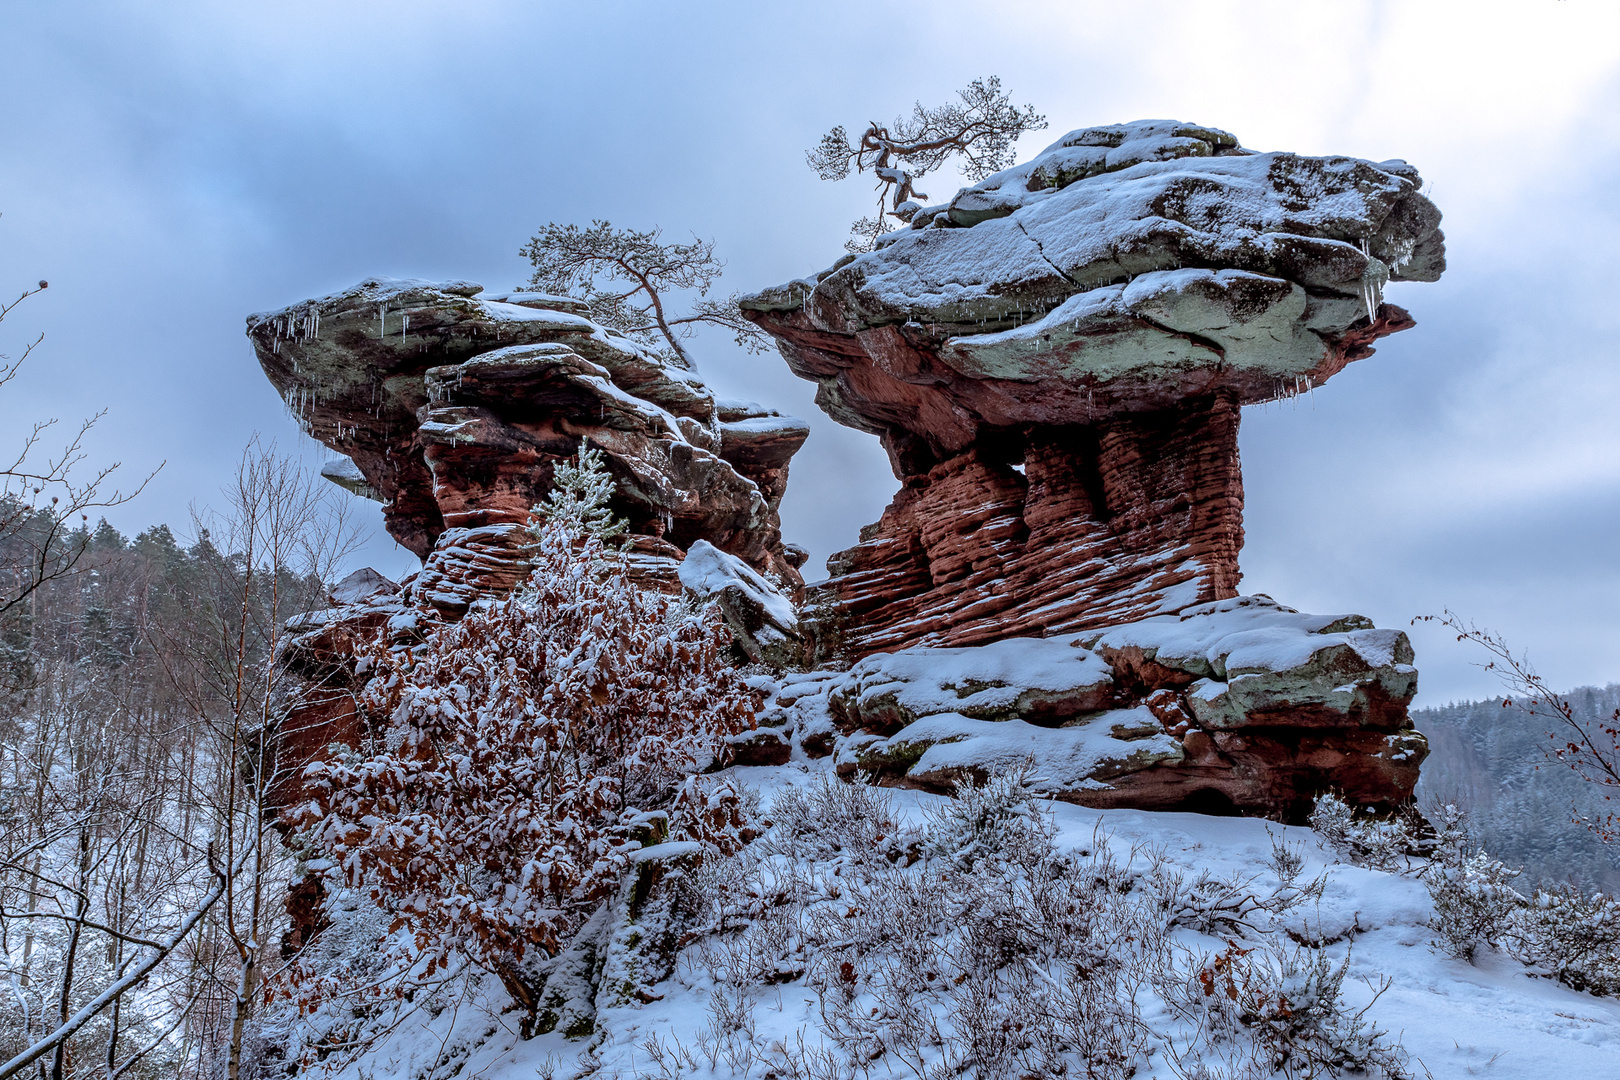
{"x":1234,"y":706}
{"x":763,"y":622}
{"x":454,"y":407}
{"x":1055,"y":361}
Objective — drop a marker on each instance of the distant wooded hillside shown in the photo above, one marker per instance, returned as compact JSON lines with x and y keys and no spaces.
{"x":1492,"y":760}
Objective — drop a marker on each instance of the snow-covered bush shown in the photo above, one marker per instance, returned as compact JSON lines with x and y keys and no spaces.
{"x":1382,"y":844}
{"x":1573,"y":936}
{"x":998,"y":820}
{"x":523,"y":754}
{"x":975,"y":947}
{"x":1474,"y":901}
{"x":831,"y":817}
{"x":1274,"y":1010}
{"x":1561,"y":931}
{"x":1474,"y":904}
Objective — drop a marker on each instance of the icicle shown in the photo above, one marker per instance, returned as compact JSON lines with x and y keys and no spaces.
{"x":1373,"y":279}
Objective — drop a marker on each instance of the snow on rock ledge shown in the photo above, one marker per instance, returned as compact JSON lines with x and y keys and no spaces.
{"x":1257,"y":662}
{"x":1237,"y":706}
{"x":762,"y":620}
{"x":452,"y":408}
{"x":1016,"y":677}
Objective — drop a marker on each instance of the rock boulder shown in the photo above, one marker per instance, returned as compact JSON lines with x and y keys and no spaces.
{"x":453,"y":408}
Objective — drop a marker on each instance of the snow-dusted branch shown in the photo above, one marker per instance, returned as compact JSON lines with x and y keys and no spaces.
{"x":41,"y":501}
{"x":1591,"y":749}
{"x":130,"y":979}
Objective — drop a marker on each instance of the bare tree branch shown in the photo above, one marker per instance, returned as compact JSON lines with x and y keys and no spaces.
{"x":1591,"y":749}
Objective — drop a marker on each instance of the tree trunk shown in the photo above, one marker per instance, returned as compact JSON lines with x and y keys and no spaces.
{"x":59,"y":1061}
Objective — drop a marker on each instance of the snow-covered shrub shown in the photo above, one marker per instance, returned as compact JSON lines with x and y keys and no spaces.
{"x":1474,"y":901}
{"x":1221,"y":905}
{"x":523,"y":754}
{"x":1277,"y":1009}
{"x":1566,"y":933}
{"x":998,"y":820}
{"x":1380,"y":844}
{"x":1573,"y":936}
{"x":339,"y":991}
{"x":969,"y":947}
{"x":1474,"y":904}
{"x":833,"y":817}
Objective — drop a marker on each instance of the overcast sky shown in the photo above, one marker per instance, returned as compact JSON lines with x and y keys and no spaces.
{"x":172,"y":166}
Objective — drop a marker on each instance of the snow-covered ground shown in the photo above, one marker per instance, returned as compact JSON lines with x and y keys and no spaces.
{"x":1454,"y":1019}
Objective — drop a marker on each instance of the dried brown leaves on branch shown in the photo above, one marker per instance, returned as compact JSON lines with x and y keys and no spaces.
{"x":516,"y":759}
{"x":628,"y":279}
{"x":979,"y":129}
{"x":1589,"y":747}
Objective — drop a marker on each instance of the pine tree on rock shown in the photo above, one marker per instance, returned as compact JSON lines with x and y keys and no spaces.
{"x":980,"y":129}
{"x":639,"y":275}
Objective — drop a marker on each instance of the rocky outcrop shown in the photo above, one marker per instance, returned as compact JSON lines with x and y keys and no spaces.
{"x":453,"y":407}
{"x":763,"y":621}
{"x":1234,"y":706}
{"x":1055,"y":361}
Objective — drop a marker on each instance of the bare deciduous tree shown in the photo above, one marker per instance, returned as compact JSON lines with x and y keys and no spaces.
{"x":1591,"y":749}
{"x":286,"y":532}
{"x":640,"y":272}
{"x":980,"y":129}
{"x":45,"y":496}
{"x":135,"y":873}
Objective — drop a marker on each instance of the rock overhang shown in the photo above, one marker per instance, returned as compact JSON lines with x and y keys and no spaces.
{"x":452,"y":408}
{"x":1056,"y":360}
{"x":1120,"y":270}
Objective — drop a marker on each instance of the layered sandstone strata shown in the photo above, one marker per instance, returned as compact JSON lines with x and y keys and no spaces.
{"x":1235,"y":706}
{"x":453,"y":408}
{"x":1055,"y":361}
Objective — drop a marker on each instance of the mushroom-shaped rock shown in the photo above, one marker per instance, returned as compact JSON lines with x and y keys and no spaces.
{"x":454,"y":408}
{"x":1055,"y":360}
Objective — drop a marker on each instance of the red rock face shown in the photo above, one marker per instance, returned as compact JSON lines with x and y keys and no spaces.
{"x":1055,"y":362}
{"x":1097,"y":317}
{"x":456,"y":408}
{"x":1277,"y":773}
{"x":455,"y":411}
{"x":318,"y":683}
{"x":1105,"y":524}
